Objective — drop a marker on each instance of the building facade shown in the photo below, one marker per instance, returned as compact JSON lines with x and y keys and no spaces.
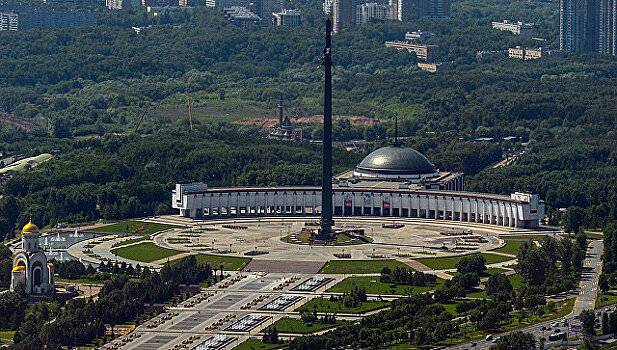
{"x":516,"y":28}
{"x":392,"y":181}
{"x":287,"y":18}
{"x":343,"y":14}
{"x":25,"y":17}
{"x":31,"y":273}
{"x":373,"y":11}
{"x":423,"y":52}
{"x":519,"y":210}
{"x":588,"y":26}
{"x":9,"y":21}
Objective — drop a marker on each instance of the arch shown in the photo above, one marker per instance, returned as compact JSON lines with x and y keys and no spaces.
{"x":37,"y":274}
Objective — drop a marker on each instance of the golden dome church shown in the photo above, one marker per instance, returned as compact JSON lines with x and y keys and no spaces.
{"x":32,"y":273}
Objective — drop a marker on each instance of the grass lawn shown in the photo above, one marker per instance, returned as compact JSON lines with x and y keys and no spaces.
{"x":230,"y":263}
{"x":296,"y":325}
{"x":516,"y":280}
{"x":606,"y":298}
{"x":524,"y":237}
{"x":561,"y":309}
{"x":146,"y":252}
{"x":361,"y":266}
{"x":446,"y":263}
{"x":7,"y":335}
{"x":134,"y":227}
{"x":256,"y":344}
{"x":325,"y":305}
{"x":511,"y":247}
{"x":84,"y":280}
{"x":130,"y":241}
{"x":594,"y":235}
{"x":372,"y":285}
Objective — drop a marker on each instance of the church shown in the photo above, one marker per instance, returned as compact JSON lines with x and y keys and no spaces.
{"x":31,"y":272}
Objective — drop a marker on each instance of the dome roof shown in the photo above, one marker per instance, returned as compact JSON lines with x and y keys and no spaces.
{"x":30,"y":228}
{"x":397,"y":160}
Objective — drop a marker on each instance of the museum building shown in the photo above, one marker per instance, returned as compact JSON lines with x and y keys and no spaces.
{"x":392,"y":181}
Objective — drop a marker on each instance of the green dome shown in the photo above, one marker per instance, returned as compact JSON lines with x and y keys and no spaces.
{"x":396,"y":160}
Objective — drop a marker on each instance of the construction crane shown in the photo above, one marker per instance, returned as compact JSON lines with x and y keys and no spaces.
{"x":189,"y":106}
{"x":140,"y":119}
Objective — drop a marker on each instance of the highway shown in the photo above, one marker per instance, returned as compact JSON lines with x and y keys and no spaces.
{"x":585,"y":300}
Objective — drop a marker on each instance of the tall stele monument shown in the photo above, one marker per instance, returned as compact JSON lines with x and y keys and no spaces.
{"x":32,"y":273}
{"x":325,"y":232}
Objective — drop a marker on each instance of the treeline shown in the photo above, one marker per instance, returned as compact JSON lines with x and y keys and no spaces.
{"x":81,"y":321}
{"x":426,"y":321}
{"x":550,"y":268}
{"x":129,"y":176}
{"x":406,"y":276}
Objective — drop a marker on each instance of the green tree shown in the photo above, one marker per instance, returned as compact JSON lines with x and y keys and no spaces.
{"x":515,"y":341}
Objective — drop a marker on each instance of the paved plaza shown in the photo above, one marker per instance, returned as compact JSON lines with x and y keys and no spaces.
{"x":222,"y":318}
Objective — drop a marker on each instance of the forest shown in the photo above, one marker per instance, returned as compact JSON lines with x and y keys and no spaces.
{"x":85,"y":89}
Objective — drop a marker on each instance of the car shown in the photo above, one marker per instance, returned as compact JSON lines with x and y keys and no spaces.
{"x":557,"y":336}
{"x":488,"y":337}
{"x":555,"y":324}
{"x":496,"y":339}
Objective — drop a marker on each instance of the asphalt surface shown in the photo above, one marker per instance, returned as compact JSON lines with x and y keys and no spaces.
{"x":585,"y":300}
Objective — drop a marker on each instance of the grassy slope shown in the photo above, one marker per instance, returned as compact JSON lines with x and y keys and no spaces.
{"x":134,"y":227}
{"x":360,"y":266}
{"x":372,"y":285}
{"x":445,"y":263}
{"x":146,"y":252}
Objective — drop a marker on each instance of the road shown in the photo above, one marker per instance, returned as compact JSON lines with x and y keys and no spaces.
{"x":585,"y":300}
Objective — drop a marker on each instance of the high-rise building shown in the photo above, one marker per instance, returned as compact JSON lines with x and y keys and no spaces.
{"x":394,"y":8}
{"x":287,"y":18}
{"x":428,"y":9}
{"x":26,"y":17}
{"x":327,"y":6}
{"x":588,"y":26}
{"x":607,"y":27}
{"x":263,"y":9}
{"x":372,"y":11}
{"x":343,"y":14}
{"x":435,"y":9}
{"x":9,"y":21}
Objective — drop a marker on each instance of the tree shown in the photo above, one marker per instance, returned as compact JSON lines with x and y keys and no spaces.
{"x":588,"y":321}
{"x":515,"y":341}
{"x":534,"y":265}
{"x":499,"y":287}
{"x":574,"y":218}
{"x":471,"y":264}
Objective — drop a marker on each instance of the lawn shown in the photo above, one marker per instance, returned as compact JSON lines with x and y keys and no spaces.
{"x":447,"y":263}
{"x":229,"y":263}
{"x":130,"y":241}
{"x":512,"y":246}
{"x":360,"y":266}
{"x":295,"y":325}
{"x":134,"y":227}
{"x":516,"y":280}
{"x":372,"y":285}
{"x":606,"y":298}
{"x":562,"y":309}
{"x":594,"y":235}
{"x":524,"y":237}
{"x":325,"y":305}
{"x":146,"y":252}
{"x":7,"y":335}
{"x":256,"y":344}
